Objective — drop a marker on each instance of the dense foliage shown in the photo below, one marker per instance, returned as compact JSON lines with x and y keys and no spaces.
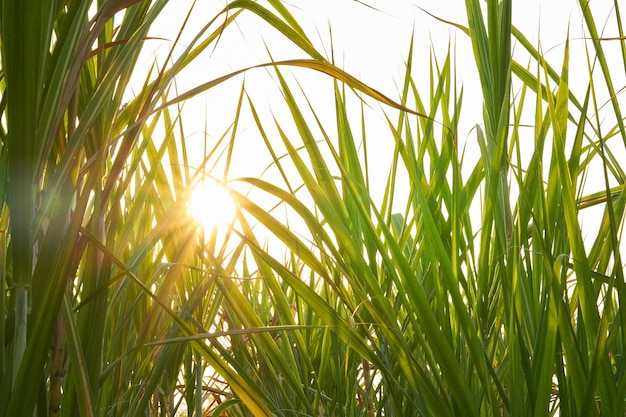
{"x":472,"y":291}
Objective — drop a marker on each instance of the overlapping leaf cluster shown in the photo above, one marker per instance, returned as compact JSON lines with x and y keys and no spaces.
{"x":416,"y":303}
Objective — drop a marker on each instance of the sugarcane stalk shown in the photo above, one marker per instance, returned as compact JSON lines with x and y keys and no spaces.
{"x":58,"y":368}
{"x":21,"y":322}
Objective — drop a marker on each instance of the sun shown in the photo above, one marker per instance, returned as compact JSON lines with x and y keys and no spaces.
{"x":211,"y":205}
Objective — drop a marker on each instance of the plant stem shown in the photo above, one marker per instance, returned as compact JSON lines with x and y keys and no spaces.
{"x":58,"y":368}
{"x":21,"y":321}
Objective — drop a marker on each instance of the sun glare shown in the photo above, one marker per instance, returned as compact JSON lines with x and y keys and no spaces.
{"x":211,"y":205}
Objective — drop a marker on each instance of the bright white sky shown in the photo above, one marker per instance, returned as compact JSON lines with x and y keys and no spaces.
{"x":369,"y":44}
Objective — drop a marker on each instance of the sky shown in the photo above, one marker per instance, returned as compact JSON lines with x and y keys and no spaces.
{"x":370,"y":43}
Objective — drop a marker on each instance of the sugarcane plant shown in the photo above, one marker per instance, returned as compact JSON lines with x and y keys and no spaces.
{"x":477,"y":292}
{"x":98,"y":249}
{"x":472,"y":291}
